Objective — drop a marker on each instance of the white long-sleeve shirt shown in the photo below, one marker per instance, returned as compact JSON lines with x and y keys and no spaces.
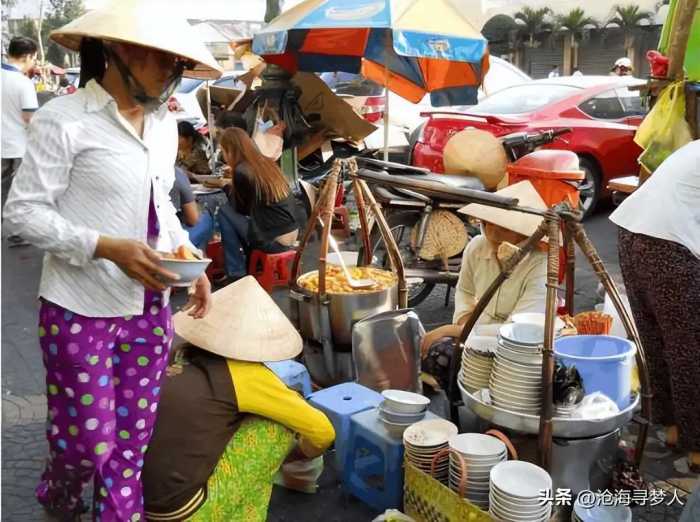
{"x":667,"y":206}
{"x":524,"y":291}
{"x":87,"y":173}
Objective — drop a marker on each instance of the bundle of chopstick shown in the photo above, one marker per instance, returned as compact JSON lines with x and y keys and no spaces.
{"x":593,"y":323}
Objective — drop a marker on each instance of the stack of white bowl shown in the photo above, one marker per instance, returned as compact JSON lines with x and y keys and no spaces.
{"x":477,"y":362}
{"x":480,"y":453}
{"x":400,"y":409}
{"x":518,"y":492}
{"x":425,"y":439}
{"x":516,"y":378}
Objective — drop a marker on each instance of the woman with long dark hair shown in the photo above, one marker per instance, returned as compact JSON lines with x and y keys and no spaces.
{"x":261,"y":211}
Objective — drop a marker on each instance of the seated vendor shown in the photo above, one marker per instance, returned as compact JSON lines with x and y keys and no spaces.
{"x":199,"y":225}
{"x":191,"y":150}
{"x":261,"y":210}
{"x":482,"y":261}
{"x":226,"y":423}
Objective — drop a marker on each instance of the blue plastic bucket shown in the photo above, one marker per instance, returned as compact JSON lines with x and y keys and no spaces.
{"x":604,"y":362}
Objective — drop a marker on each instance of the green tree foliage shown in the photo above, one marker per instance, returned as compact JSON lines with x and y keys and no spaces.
{"x":575,"y":22}
{"x":534,"y":21}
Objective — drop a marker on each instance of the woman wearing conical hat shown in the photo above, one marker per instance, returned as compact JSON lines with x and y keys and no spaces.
{"x":226,"y":422}
{"x":93,"y":193}
{"x":503,"y":230}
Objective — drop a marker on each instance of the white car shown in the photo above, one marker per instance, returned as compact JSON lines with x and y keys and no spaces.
{"x":368,"y":99}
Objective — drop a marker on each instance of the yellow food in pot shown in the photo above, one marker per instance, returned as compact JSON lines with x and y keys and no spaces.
{"x":337,"y":283}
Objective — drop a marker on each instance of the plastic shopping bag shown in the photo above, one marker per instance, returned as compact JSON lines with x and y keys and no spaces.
{"x":300,"y":475}
{"x":665,"y":129}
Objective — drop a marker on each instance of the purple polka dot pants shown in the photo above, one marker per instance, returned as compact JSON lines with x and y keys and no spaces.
{"x":102,"y":379}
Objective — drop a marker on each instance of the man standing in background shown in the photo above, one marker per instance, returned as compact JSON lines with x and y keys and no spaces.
{"x":19,"y":102}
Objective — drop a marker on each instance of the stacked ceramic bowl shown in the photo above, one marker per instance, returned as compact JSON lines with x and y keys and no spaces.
{"x":516,"y":378}
{"x":424,"y":440}
{"x":518,"y":490}
{"x":477,"y":362}
{"x":480,"y":453}
{"x":400,"y":409}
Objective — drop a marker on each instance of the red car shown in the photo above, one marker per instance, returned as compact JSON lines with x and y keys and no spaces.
{"x":602,"y":111}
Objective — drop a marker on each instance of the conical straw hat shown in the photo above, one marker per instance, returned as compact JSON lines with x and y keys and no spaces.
{"x":525,"y":224}
{"x":475,"y":152}
{"x":244,"y":323}
{"x":149,"y":23}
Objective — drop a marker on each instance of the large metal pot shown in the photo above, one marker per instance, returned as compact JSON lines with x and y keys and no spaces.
{"x":344,"y":309}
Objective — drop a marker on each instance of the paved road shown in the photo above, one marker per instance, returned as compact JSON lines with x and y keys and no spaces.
{"x":24,"y":405}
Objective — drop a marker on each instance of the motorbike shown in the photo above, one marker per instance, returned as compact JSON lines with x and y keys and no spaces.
{"x":409,"y":213}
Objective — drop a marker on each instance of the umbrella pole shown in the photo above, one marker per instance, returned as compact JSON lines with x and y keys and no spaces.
{"x":386,"y":114}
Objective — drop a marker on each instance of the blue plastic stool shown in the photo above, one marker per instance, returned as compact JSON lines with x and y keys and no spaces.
{"x":373,"y":470}
{"x":293,"y":374}
{"x":339,"y":403}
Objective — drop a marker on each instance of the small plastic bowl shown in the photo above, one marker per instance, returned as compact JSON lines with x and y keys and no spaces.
{"x":188,"y":269}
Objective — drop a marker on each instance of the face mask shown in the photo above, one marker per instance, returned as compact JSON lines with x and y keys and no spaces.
{"x":136,"y":89}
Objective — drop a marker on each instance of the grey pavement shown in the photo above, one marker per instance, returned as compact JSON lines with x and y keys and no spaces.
{"x":24,"y":404}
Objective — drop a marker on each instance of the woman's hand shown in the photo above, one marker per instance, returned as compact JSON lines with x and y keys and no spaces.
{"x":137,"y":260}
{"x":200,"y":298}
{"x":430,"y":338}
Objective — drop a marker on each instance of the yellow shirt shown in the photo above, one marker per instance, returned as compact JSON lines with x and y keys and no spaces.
{"x":259,"y":391}
{"x":524,"y":291}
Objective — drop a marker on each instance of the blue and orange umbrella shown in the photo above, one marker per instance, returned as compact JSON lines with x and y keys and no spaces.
{"x":412,"y":47}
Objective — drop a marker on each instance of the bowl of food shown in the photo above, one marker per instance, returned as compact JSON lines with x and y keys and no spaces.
{"x":347,"y":305}
{"x":184,"y":263}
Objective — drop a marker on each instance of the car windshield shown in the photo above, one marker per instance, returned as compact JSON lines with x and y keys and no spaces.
{"x":523,"y":98}
{"x":188,"y":85}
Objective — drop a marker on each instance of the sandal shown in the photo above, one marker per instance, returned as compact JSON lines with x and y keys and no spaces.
{"x":694,"y":461}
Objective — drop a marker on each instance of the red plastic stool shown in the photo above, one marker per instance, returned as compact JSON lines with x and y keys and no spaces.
{"x":271,"y":270}
{"x":215,"y":252}
{"x":341,"y":222}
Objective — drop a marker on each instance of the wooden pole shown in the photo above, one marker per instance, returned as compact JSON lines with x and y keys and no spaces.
{"x":546,"y":428}
{"x":362,"y":210}
{"x":389,"y":241}
{"x":579,"y":234}
{"x":570,"y":247}
{"x":678,"y":44}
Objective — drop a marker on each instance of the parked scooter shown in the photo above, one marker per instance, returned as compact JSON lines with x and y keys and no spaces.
{"x":409,"y":215}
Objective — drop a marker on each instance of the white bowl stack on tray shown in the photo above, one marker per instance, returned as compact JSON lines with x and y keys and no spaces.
{"x":516,"y":378}
{"x":424,"y":440}
{"x":477,"y":362}
{"x":518,"y":491}
{"x":480,"y":453}
{"x":400,"y":409}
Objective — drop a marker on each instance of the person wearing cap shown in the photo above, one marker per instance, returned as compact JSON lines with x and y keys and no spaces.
{"x":482,"y":261}
{"x":92,"y":192}
{"x":226,"y":422}
{"x":622,"y":67}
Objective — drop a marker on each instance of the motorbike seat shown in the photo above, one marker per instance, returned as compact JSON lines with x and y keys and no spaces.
{"x":454,"y":181}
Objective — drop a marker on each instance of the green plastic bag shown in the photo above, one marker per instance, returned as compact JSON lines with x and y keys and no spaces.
{"x":664,"y":130}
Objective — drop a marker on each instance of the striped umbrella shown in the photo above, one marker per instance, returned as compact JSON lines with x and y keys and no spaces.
{"x":412,"y":47}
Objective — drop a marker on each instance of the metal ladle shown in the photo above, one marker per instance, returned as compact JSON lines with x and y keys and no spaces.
{"x":354,"y":283}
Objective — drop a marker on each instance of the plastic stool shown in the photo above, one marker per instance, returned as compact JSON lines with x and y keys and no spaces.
{"x":271,"y":270}
{"x":339,"y":403}
{"x":373,"y":470}
{"x":215,"y":252}
{"x":294,"y":374}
